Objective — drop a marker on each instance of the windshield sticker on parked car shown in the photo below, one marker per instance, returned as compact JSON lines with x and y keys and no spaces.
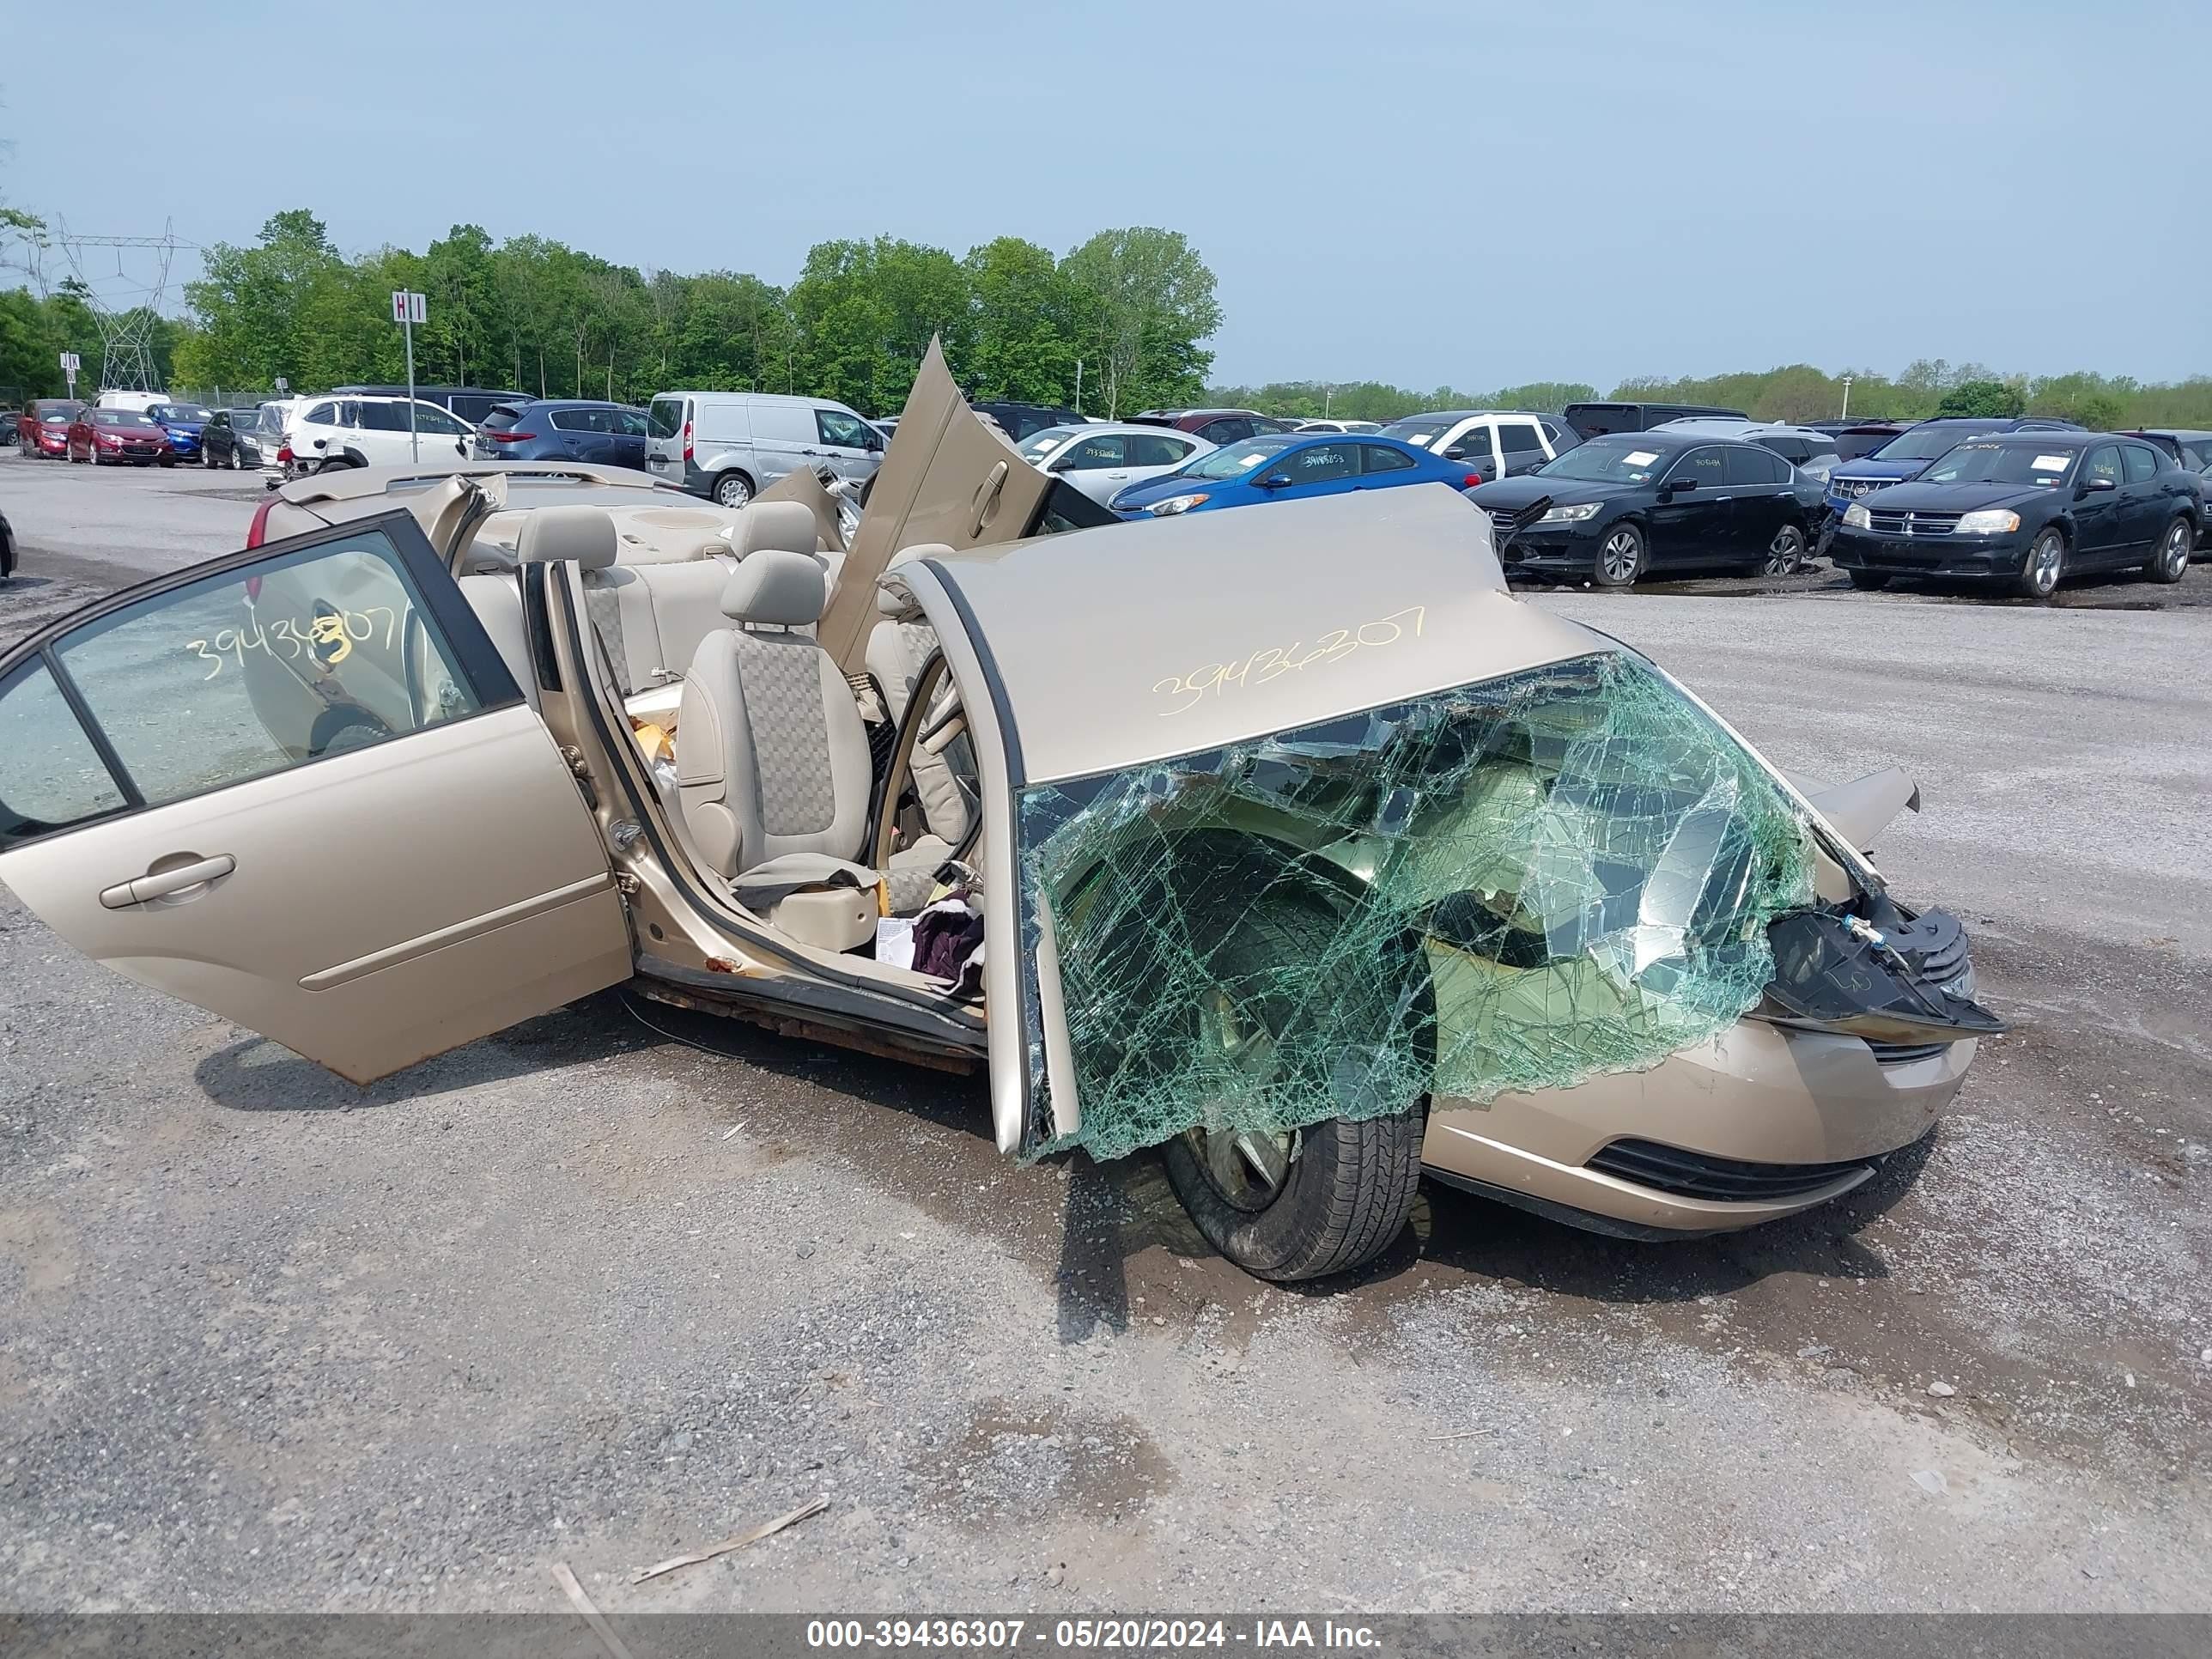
{"x":1639,"y":457}
{"x":2050,"y":463}
{"x":1272,"y":661}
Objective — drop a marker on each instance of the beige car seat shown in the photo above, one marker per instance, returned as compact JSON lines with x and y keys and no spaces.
{"x":772,"y":766}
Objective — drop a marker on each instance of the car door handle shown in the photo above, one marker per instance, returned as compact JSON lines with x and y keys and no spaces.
{"x":164,"y":884}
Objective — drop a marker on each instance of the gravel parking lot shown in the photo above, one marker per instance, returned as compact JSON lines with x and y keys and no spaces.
{"x":622,"y":1281}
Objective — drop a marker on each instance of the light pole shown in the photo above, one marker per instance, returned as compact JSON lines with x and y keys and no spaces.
{"x":1847,"y":399}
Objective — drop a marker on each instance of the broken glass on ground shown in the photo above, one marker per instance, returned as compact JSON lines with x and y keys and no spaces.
{"x":1516,"y":884}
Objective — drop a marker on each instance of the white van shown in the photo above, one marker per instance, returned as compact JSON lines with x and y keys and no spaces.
{"x":140,"y":401}
{"x":730,"y":445}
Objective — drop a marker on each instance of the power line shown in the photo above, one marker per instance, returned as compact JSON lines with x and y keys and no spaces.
{"x":126,"y":333}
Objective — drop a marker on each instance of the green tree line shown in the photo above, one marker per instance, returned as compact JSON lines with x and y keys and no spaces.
{"x":1795,"y":392}
{"x":1128,"y":312}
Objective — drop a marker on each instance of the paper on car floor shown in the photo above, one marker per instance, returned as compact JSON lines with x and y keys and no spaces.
{"x":1514,"y":886}
{"x":895,"y":940}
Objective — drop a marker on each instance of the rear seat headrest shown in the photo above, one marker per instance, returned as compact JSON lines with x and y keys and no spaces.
{"x":786,"y":526}
{"x":584,"y":535}
{"x":776,"y":587}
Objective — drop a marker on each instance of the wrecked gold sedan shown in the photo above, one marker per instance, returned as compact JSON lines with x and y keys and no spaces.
{"x":1288,"y":842}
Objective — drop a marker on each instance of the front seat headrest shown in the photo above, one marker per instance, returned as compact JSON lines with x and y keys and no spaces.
{"x":788,"y":527}
{"x":778,"y":588}
{"x":582,"y":535}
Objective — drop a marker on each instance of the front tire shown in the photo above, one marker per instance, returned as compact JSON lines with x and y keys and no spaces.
{"x":2170,"y":563}
{"x":733,"y":489}
{"x":1620,"y":556}
{"x":1311,"y":1201}
{"x":2044,"y":567}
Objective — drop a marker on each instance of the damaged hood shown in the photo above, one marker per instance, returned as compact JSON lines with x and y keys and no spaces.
{"x":1208,"y":629}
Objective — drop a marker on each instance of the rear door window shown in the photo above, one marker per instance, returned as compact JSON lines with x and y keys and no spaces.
{"x":1152,"y":449}
{"x":1230,"y":429}
{"x":2139,"y":462}
{"x":1751,"y":463}
{"x":579,"y":420}
{"x":50,"y":777}
{"x":1381,"y":457}
{"x":1519,"y":441}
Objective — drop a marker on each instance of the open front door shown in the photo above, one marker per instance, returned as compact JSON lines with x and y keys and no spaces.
{"x":297,"y":787}
{"x":947,"y":478}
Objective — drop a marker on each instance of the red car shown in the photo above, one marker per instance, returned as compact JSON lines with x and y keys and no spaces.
{"x":43,"y":428}
{"x":1216,"y":426}
{"x":101,"y":436}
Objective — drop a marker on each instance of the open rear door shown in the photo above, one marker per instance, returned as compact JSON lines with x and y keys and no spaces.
{"x":298,"y":787}
{"x":946,"y":478}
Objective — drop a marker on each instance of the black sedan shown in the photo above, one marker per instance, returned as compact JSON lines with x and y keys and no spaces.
{"x":1628,"y":504}
{"x":232,"y":438}
{"x":2023,"y":511}
{"x":7,"y":550}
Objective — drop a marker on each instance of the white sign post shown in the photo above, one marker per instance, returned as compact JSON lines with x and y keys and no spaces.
{"x":69,"y":368}
{"x":407,"y":310}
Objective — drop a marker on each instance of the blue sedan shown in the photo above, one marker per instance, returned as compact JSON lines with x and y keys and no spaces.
{"x":184,"y":423}
{"x":1288,"y":467}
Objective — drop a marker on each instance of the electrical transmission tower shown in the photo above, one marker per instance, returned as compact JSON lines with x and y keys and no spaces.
{"x":127,"y":310}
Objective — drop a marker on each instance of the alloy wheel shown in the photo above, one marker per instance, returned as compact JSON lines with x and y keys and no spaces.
{"x":1248,"y":1167}
{"x":1786,"y":551}
{"x":1621,"y":556}
{"x":2173,"y":557}
{"x":2044,"y":560}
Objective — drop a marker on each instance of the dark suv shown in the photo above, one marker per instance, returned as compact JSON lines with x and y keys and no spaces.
{"x":1595,"y":420}
{"x":563,"y":430}
{"x":1910,"y":453}
{"x":1021,"y":420}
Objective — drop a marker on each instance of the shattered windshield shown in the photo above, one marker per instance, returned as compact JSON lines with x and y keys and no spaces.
{"x":1516,"y":884}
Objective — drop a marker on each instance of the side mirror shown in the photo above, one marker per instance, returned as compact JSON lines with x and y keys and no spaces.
{"x":1276,"y":481}
{"x":1678,"y":486}
{"x":2090,"y":486}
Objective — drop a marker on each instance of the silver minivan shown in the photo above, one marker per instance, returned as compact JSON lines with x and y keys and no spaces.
{"x":730,"y":445}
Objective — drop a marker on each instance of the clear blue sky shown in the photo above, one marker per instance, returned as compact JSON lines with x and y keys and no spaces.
{"x":1467,"y":194}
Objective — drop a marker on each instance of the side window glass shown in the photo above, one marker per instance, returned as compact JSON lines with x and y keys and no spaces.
{"x":245,"y":673}
{"x":1227,"y":431}
{"x":50,"y":773}
{"x":1147,"y":450}
{"x":1381,"y":457}
{"x":1752,"y":464}
{"x":2104,"y":463}
{"x":323,"y":414}
{"x":2139,"y":463}
{"x":1473,"y":445}
{"x":1706,"y":466}
{"x":1517,"y":440}
{"x":1323,"y":463}
{"x":429,"y":417}
{"x":1092,"y":452}
{"x":571,"y":420}
{"x":836,"y":427}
